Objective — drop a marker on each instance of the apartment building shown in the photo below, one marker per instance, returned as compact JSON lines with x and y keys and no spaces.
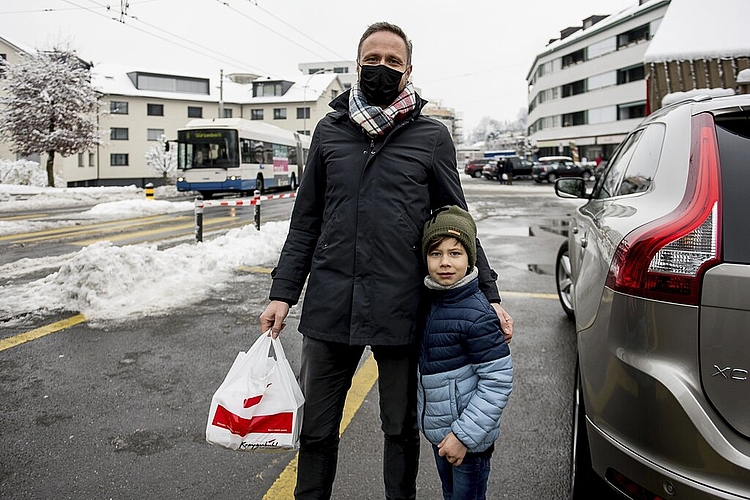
{"x":139,"y":105}
{"x":587,"y":89}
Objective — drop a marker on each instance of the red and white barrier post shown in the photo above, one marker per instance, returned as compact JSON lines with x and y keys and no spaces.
{"x":200,"y":204}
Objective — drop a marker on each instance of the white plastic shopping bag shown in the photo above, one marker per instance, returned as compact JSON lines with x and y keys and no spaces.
{"x":259,"y":404}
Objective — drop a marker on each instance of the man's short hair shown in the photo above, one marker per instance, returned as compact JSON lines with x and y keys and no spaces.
{"x":386,"y":26}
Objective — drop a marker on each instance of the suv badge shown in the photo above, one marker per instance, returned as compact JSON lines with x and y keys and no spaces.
{"x":731,"y":373}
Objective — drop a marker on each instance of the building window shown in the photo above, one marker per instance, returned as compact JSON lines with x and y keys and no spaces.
{"x":167,"y":83}
{"x":279,"y":113}
{"x":303,"y":113}
{"x":602,"y":80}
{"x":92,"y":157}
{"x":118,"y":159}
{"x":227,"y":113}
{"x":118,"y":108}
{"x":256,"y":114}
{"x":118,"y":134}
{"x":154,"y":134}
{"x":155,"y":109}
{"x":632,"y":74}
{"x":600,"y":48}
{"x":273,"y":89}
{"x":80,"y":160}
{"x":195,"y":112}
{"x":574,"y":88}
{"x":631,"y":110}
{"x":603,"y":115}
{"x":636,"y":35}
{"x":574,"y":58}
{"x":573,"y":119}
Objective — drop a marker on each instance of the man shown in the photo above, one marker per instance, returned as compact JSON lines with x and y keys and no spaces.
{"x":376,"y":169}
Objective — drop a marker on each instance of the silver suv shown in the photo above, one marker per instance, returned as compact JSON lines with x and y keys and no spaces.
{"x":655,"y":273}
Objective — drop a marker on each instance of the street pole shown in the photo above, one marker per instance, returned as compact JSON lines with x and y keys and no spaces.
{"x":304,"y":98}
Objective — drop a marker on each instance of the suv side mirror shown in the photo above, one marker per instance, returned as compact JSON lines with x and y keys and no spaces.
{"x":573,"y":187}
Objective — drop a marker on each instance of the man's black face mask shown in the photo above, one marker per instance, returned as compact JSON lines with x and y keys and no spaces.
{"x":379,"y":84}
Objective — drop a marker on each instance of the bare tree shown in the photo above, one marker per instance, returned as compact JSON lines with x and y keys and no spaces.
{"x":50,"y":106}
{"x":161,"y":159}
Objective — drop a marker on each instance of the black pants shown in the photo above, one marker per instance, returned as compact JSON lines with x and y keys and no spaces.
{"x":325,"y":377}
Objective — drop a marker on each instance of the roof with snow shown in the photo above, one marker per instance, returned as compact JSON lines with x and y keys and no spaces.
{"x":696,"y":29}
{"x":113,"y":79}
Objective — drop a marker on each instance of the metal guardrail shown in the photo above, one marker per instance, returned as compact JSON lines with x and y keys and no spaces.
{"x":254,"y":202}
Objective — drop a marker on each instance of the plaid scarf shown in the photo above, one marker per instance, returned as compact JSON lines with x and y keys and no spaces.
{"x":376,"y":120}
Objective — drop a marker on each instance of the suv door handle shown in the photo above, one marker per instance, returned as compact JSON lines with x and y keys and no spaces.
{"x":584,"y":242}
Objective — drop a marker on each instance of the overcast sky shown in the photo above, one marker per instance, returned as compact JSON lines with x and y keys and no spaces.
{"x":470,"y":55}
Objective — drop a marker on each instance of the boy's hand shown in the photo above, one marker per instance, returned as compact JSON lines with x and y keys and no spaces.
{"x":452,"y":449}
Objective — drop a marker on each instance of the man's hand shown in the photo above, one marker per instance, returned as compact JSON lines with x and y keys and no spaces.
{"x":452,"y":449}
{"x":273,"y":317}
{"x":506,"y":321}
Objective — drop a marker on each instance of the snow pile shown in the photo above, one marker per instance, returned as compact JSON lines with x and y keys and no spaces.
{"x":24,"y":173}
{"x":106,"y":282}
{"x":679,"y":96}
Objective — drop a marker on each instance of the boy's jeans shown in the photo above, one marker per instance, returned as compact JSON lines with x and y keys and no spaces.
{"x":468,"y":481}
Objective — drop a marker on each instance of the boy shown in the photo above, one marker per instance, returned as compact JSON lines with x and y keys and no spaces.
{"x":465,"y":367}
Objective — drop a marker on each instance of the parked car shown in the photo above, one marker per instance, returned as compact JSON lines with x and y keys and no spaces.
{"x":474,"y":167}
{"x":521,"y":168}
{"x":551,"y":168}
{"x":655,"y":273}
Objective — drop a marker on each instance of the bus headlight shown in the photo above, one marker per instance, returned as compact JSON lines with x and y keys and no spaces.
{"x":234,"y":177}
{"x":180,"y":179}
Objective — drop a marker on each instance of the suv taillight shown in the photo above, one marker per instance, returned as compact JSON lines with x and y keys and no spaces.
{"x":666,"y":258}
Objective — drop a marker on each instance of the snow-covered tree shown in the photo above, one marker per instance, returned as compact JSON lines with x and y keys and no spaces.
{"x":162,"y":160}
{"x":50,"y":106}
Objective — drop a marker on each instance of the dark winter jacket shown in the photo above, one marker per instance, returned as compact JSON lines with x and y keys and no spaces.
{"x":356,"y":228}
{"x":465,"y":369}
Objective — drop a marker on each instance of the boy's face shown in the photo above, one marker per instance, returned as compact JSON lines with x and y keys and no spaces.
{"x":448,"y":262}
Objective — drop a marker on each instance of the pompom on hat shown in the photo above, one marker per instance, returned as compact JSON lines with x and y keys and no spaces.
{"x":451,"y":222}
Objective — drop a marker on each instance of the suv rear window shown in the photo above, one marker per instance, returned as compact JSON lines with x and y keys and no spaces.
{"x":733,"y":133}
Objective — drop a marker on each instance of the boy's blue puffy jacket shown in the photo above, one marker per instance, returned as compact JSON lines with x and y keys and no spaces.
{"x":465,"y":369}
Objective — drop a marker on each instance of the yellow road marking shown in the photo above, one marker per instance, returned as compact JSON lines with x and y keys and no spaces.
{"x":22,"y":217}
{"x":362,"y":383}
{"x":151,"y":232}
{"x":22,"y":338}
{"x":255,"y":269}
{"x":49,"y":234}
{"x":533,"y":295}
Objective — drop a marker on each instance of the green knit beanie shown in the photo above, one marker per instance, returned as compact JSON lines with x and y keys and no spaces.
{"x":453,"y":222}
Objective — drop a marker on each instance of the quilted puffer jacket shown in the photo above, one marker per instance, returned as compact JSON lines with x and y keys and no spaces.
{"x":465,"y":369}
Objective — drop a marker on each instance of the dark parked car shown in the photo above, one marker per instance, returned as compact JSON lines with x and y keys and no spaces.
{"x":655,"y":273}
{"x":521,"y":168}
{"x":551,"y":168}
{"x":474,"y":167}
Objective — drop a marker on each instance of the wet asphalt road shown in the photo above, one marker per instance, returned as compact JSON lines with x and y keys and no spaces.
{"x":119,"y":410}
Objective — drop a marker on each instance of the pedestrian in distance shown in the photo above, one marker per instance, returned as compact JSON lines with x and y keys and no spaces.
{"x":375,"y":170}
{"x":465,"y":366}
{"x":508,"y":171}
{"x":500,"y":165}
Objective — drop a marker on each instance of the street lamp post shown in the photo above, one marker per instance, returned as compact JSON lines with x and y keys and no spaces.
{"x":304,"y":98}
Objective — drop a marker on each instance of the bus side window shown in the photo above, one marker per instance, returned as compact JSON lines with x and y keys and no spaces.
{"x":268,"y":154}
{"x":246,"y":152}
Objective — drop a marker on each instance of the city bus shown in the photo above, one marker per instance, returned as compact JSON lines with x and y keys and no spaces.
{"x":235,"y":155}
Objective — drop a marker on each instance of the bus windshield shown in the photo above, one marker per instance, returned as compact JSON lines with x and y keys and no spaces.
{"x":207,"y":148}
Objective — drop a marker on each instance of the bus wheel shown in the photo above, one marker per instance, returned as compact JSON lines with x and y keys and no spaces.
{"x":207,"y":195}
{"x":293,"y":182}
{"x":259,"y":184}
